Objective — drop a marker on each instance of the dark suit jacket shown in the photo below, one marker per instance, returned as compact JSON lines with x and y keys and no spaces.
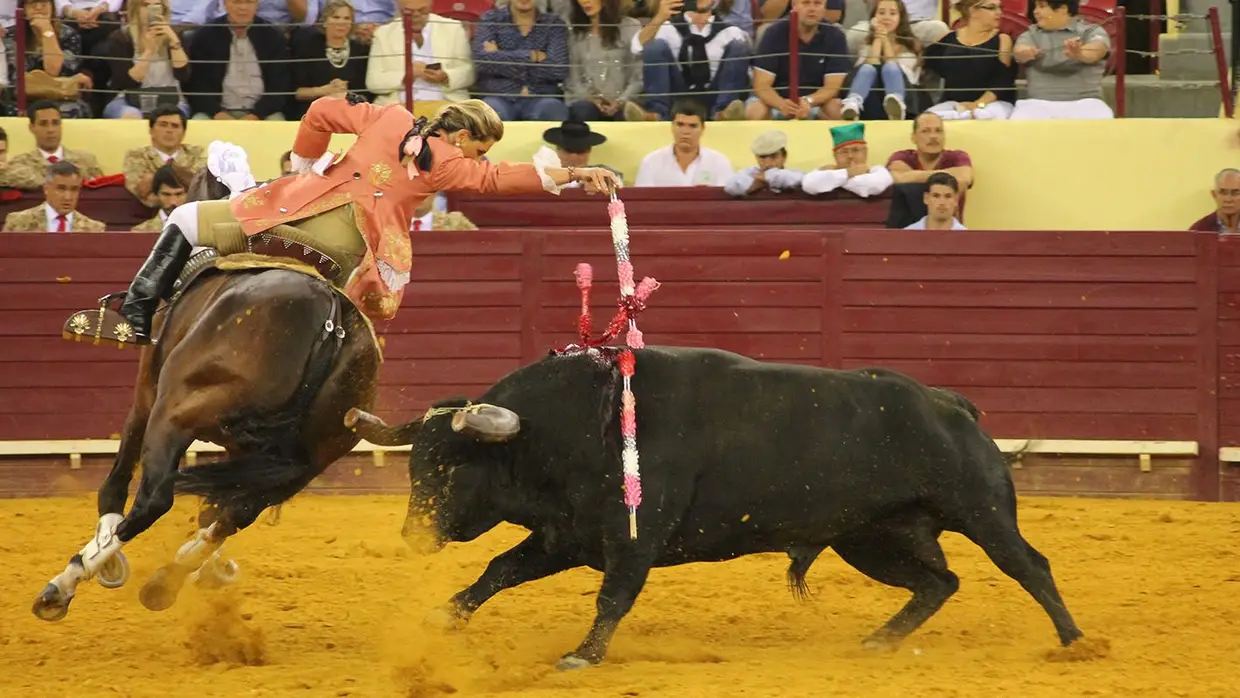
{"x":214,"y":43}
{"x":908,"y":204}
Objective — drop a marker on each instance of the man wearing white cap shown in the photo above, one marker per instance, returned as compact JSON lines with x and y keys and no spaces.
{"x":771,"y":150}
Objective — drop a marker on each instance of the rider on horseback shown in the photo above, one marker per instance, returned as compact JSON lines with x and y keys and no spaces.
{"x":349,"y":219}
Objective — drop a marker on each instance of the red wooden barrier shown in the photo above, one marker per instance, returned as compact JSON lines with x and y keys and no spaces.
{"x":1085,"y":335}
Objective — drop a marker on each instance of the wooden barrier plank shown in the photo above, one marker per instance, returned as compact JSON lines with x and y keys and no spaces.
{"x":1018,"y":294}
{"x":1078,"y":425}
{"x":715,"y":320}
{"x":109,"y":246}
{"x":464,"y":345}
{"x":1161,"y":401}
{"x":492,"y":241}
{"x":65,"y":425}
{"x":772,"y":346}
{"x":689,"y":242}
{"x":887,"y":346}
{"x":458,"y":294}
{"x":1031,"y":321}
{"x":700,"y":267}
{"x":66,"y":374}
{"x":1042,"y":374}
{"x":693,"y":294}
{"x":940,"y":267}
{"x":446,"y":371}
{"x":1228,"y":334}
{"x":1001,"y":243}
{"x":52,"y":348}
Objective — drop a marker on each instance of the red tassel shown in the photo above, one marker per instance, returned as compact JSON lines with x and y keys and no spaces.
{"x":628,"y":363}
{"x":584,"y":324}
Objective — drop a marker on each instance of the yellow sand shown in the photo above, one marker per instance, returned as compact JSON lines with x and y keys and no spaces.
{"x":331,"y":600}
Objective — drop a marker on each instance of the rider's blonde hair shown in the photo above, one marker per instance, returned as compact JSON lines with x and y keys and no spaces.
{"x":472,"y":115}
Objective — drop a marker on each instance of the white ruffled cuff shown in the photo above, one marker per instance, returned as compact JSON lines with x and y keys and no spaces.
{"x":300,"y":164}
{"x":543,"y":159}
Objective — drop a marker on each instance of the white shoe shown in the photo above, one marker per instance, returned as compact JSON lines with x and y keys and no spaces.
{"x":894,"y":106}
{"x":851,"y":110}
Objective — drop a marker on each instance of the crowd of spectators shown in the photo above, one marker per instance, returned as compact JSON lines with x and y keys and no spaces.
{"x":553,"y":60}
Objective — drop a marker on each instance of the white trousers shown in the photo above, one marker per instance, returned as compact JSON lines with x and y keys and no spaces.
{"x":1091,"y":108}
{"x":951,"y":110}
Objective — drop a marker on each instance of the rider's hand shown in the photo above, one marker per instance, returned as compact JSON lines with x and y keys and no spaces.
{"x":597,"y":180}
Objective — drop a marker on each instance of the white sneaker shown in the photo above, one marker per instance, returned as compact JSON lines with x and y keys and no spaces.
{"x":894,"y":106}
{"x":851,"y":110}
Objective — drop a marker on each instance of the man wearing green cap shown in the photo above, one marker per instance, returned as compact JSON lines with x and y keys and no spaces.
{"x":852,"y":170}
{"x":771,"y":150}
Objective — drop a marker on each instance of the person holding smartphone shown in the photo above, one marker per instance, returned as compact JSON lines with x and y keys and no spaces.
{"x":147,"y":62}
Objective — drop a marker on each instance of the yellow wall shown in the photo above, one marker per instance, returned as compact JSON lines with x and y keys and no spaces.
{"x":1126,"y":174}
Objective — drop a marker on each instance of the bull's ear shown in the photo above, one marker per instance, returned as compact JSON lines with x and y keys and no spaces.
{"x":378,"y":432}
{"x":488,"y":423}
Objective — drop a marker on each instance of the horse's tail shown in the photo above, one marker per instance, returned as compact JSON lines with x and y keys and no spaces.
{"x":253,"y":481}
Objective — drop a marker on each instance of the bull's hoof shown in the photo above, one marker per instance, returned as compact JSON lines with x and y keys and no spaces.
{"x":160,"y":591}
{"x":571,"y":662}
{"x":115,"y":572}
{"x":446,"y":619}
{"x":51,"y":604}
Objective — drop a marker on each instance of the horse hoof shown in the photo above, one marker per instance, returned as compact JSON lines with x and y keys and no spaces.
{"x":215,"y":575}
{"x":160,"y":591}
{"x":115,"y":572}
{"x":51,"y":605}
{"x":446,"y":619}
{"x":571,"y":662}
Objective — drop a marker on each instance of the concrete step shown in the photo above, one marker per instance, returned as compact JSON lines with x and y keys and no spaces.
{"x":1201,"y":7}
{"x":1190,"y":56}
{"x":1149,"y":97}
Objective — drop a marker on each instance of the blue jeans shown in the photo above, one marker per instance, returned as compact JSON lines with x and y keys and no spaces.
{"x":661,"y":74}
{"x":532,"y":108}
{"x":118,"y":108}
{"x":863,"y":80}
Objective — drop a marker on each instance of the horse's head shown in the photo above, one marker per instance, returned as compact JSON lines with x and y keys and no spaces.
{"x":205,"y":187}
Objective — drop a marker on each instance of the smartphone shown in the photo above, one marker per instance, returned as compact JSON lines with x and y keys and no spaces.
{"x":155,"y":15}
{"x":434,"y":66}
{"x":689,"y":6}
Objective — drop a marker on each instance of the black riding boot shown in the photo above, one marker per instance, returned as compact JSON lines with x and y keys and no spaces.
{"x":154,"y":281}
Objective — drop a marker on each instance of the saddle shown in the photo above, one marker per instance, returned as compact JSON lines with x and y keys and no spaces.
{"x":269,"y":250}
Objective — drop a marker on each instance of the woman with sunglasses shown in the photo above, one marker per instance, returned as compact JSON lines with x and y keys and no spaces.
{"x":975,"y":62}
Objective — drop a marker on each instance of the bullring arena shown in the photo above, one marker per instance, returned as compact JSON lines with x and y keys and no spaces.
{"x":1099,"y":338}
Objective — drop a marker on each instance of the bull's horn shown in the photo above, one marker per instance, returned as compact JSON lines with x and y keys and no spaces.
{"x":379,"y":432}
{"x":488,"y":423}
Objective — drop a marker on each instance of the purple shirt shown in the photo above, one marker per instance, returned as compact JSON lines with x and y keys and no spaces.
{"x":948,"y":159}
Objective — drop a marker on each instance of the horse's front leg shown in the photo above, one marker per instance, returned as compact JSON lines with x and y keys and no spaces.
{"x":161,"y":453}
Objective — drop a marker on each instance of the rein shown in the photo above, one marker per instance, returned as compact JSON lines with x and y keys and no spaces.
{"x":632,"y":302}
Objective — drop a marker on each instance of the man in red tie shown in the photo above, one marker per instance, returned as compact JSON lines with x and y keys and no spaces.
{"x":58,"y":214}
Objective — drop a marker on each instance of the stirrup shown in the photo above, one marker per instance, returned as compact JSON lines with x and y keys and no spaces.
{"x":102,"y":324}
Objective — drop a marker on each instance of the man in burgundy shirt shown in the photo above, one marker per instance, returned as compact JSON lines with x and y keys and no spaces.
{"x":1227,"y":202}
{"x":929,"y":156}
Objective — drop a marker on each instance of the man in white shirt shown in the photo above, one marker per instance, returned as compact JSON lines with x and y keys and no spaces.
{"x":685,"y":163}
{"x":771,"y":150}
{"x":443,"y":67}
{"x":852,"y":170}
{"x":696,"y":53}
{"x":942,"y":197}
{"x":58,"y":214}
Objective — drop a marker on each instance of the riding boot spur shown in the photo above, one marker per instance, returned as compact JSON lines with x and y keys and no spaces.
{"x":155,"y":281}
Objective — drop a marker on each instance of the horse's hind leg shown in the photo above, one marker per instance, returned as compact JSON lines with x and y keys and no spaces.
{"x":199,"y":560}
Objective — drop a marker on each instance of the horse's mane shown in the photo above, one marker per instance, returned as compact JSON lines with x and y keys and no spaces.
{"x":205,"y":187}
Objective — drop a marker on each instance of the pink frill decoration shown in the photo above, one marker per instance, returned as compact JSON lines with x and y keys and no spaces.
{"x":645,"y":288}
{"x":632,"y":491}
{"x":627,"y":363}
{"x":634,"y":339}
{"x":585,"y":276}
{"x":628,"y":423}
{"x":625,"y":270}
{"x":615,"y":208}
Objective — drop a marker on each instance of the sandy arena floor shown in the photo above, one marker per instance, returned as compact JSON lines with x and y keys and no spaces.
{"x":331,"y":601}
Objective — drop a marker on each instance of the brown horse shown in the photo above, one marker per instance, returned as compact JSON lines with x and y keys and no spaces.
{"x":257,"y":354}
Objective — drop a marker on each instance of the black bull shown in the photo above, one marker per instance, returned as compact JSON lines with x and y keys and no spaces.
{"x":737,"y":457}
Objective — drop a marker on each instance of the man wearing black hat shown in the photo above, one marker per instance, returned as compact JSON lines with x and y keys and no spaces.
{"x":573,"y":141}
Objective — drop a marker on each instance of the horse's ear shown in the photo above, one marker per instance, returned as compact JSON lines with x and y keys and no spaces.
{"x":378,"y":432}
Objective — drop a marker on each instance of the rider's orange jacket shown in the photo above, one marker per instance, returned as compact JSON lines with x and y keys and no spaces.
{"x":372,"y":178}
